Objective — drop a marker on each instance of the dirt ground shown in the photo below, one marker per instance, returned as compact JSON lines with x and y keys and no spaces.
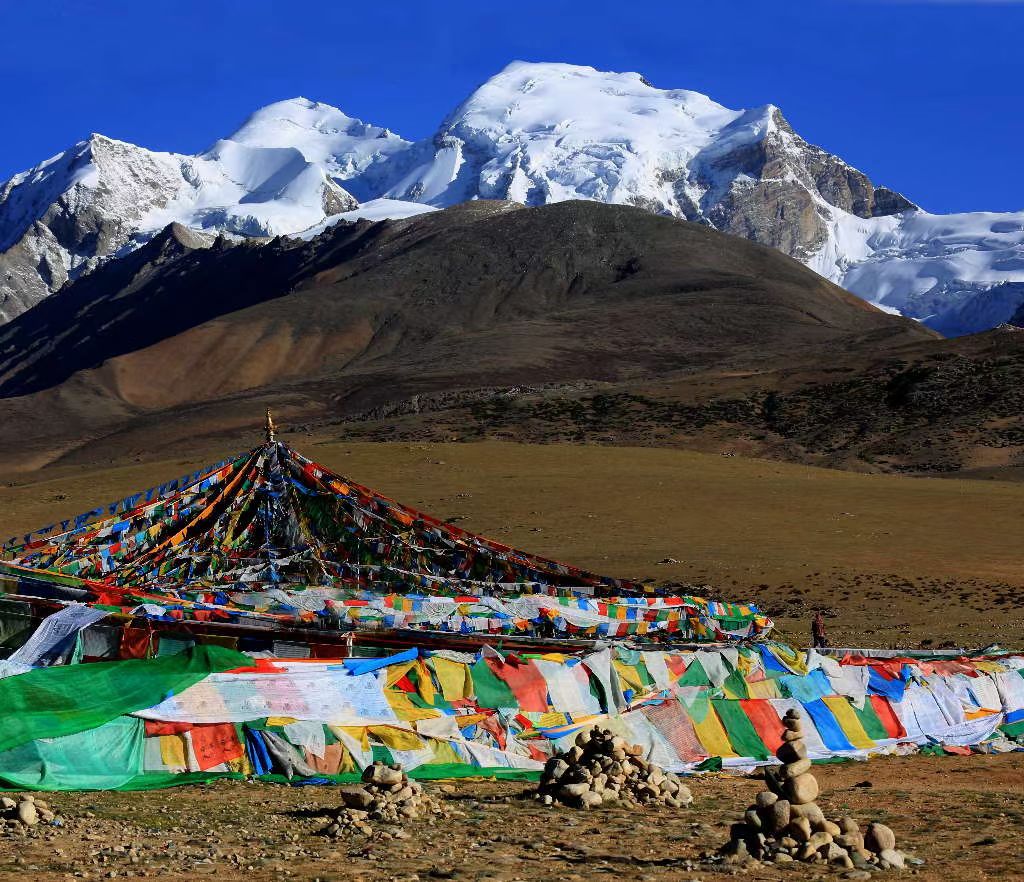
{"x":895,"y":561}
{"x":962,"y":816}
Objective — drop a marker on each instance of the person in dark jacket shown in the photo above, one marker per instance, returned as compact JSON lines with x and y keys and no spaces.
{"x":818,"y":631}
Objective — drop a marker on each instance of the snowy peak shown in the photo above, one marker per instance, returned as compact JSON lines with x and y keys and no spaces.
{"x":583,"y":104}
{"x":320,"y":130}
{"x":281,"y":173}
{"x":534,"y":133}
{"x":347,"y":148}
{"x":539,"y":133}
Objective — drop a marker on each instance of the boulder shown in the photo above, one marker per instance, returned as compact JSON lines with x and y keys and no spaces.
{"x":791,"y":751}
{"x":799,"y":829}
{"x":879,"y":838}
{"x":829,"y":827}
{"x":819,"y":839}
{"x":777,"y":815}
{"x":570,"y":791}
{"x":795,"y":769}
{"x":555,"y":768}
{"x":27,"y":813}
{"x":851,"y":841}
{"x":892,"y":857}
{"x":811,"y":811}
{"x":801,"y":790}
{"x":848,"y":825}
{"x":356,"y":797}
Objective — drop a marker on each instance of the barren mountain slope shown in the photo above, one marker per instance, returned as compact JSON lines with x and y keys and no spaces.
{"x":479,"y":295}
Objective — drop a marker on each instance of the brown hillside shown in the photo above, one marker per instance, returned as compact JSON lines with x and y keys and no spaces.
{"x":371,"y":315}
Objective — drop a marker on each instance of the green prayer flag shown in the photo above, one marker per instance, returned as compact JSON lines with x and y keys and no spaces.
{"x":63,"y":700}
{"x":736,"y":684}
{"x":873,"y":726}
{"x":695,"y":675}
{"x":742,"y":734}
{"x":491,"y":691}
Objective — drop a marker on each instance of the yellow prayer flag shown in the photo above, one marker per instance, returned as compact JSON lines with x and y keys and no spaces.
{"x":848,"y":721}
{"x":399,"y":739}
{"x":453,"y":677}
{"x":172,"y":751}
{"x":712,"y":735}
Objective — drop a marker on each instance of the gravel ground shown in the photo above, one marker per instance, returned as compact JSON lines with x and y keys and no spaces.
{"x":962,"y":816}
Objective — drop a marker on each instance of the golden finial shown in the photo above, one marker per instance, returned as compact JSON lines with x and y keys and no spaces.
{"x":270,"y":427}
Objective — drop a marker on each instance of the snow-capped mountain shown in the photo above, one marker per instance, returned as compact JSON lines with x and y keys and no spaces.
{"x":534,"y":133}
{"x":538,"y":133}
{"x":278,"y":174}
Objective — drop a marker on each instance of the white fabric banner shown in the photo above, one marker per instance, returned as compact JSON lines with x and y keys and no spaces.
{"x":1011,"y":690}
{"x":656,"y":667}
{"x":54,"y":630}
{"x":308,"y":734}
{"x":563,"y":688}
{"x":327,"y":694}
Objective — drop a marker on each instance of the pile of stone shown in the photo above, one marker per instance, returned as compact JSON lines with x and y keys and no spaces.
{"x":785,"y":823}
{"x":26,"y":811}
{"x":386,"y":794}
{"x":602,"y":767}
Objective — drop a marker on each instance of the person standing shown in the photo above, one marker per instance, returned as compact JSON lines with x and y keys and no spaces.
{"x":818,"y":631}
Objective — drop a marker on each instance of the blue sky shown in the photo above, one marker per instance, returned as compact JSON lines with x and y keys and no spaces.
{"x":926,"y":96}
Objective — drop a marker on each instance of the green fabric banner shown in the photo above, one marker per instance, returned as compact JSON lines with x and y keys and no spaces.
{"x":695,"y":675}
{"x":1013,"y":730}
{"x":737,"y":684}
{"x":491,"y":691}
{"x":869,"y":720}
{"x":742,"y":734}
{"x":104,"y":758}
{"x":160,"y":780}
{"x":50,"y":702}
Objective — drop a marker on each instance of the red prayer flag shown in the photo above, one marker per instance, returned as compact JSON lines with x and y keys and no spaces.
{"x":526,"y":682}
{"x":215,"y":743}
{"x":888,"y":717}
{"x":765,"y":720}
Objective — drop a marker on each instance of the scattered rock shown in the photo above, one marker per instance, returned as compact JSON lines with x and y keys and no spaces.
{"x":879,"y":838}
{"x":26,"y":811}
{"x":602,"y":767}
{"x":891,"y":859}
{"x":386,"y":794}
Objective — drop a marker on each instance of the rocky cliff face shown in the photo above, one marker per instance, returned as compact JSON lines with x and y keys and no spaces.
{"x":100,"y":197}
{"x":59,"y":218}
{"x":775,"y":196}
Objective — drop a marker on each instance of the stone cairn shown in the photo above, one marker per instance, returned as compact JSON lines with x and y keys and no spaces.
{"x":602,"y":767}
{"x":386,"y":794}
{"x":26,"y":811}
{"x":785,"y":823}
